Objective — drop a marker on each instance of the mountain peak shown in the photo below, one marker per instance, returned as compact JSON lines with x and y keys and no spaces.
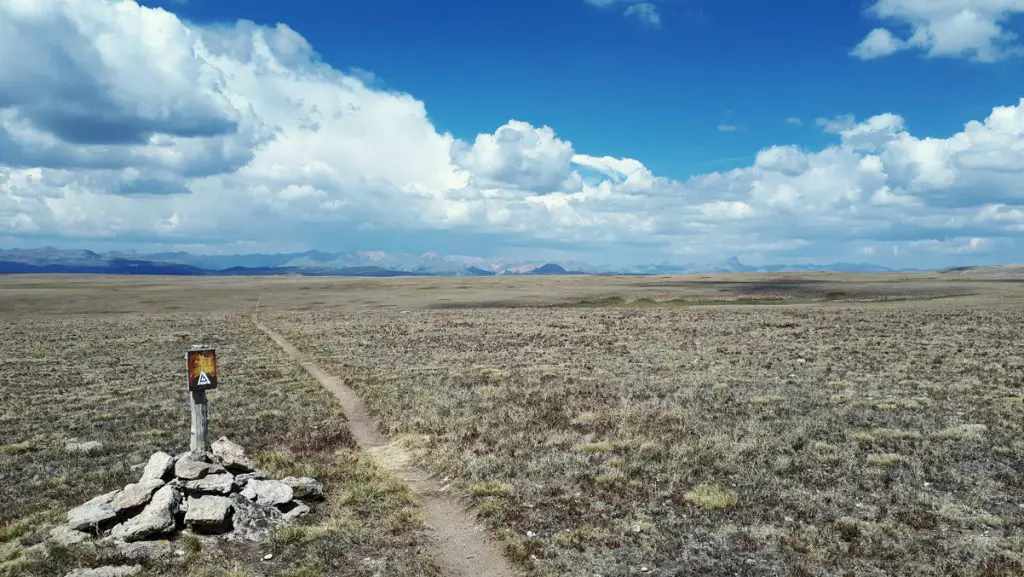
{"x":549,"y":268}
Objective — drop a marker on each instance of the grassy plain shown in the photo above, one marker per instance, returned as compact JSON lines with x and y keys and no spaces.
{"x":863,"y":440}
{"x":119,"y":379}
{"x":813,"y":424}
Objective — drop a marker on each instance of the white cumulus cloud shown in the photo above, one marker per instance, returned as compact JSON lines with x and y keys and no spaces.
{"x":242,"y":136}
{"x":975,"y":29}
{"x":646,"y":12}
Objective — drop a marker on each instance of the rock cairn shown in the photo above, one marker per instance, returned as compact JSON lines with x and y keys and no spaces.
{"x":217,"y":493}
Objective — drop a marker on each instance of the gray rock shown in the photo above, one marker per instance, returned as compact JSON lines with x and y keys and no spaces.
{"x":297,"y":509}
{"x":84,"y":447}
{"x":231,"y":455}
{"x":93,"y":514}
{"x":267,"y":493}
{"x":158,"y":466}
{"x":252,"y":522}
{"x":143,"y":551}
{"x":209,"y":514}
{"x":242,"y":480}
{"x":220,"y":483}
{"x":135,"y":495}
{"x":64,"y":535}
{"x":109,"y":571}
{"x":305,"y":487}
{"x":190,"y":467}
{"x":157,"y":518}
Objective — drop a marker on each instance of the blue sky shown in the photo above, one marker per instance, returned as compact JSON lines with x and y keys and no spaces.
{"x":616,"y":85}
{"x":606,"y":130}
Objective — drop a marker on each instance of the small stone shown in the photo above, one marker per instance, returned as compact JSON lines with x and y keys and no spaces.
{"x":189,"y":468}
{"x":93,"y":514}
{"x":209,"y":514}
{"x":231,"y":455}
{"x":158,"y":467}
{"x":242,"y":480}
{"x":108,"y":571}
{"x":305,"y":488}
{"x":295,"y":510}
{"x":84,"y":447}
{"x":64,"y":535}
{"x":220,"y":483}
{"x":143,"y":551}
{"x":267,"y":493}
{"x":157,"y":518}
{"x":135,"y":495}
{"x":268,"y":556}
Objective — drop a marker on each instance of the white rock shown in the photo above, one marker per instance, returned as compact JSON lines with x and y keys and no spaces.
{"x":157,"y":518}
{"x":85,"y":447}
{"x":305,"y":487}
{"x":232,"y":455}
{"x":135,"y":495}
{"x":209,"y":514}
{"x":92,"y":514}
{"x":109,"y":571}
{"x":221,"y":483}
{"x":143,"y":551}
{"x":268,"y":556}
{"x":242,"y":480}
{"x":64,"y":535}
{"x":158,"y":466}
{"x":189,"y":467}
{"x":298,"y":509}
{"x":267,"y":493}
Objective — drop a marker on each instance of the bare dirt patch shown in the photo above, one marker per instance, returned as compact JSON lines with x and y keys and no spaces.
{"x":463,"y":549}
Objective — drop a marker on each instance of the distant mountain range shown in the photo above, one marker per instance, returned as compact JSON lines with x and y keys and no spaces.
{"x":380,"y":264}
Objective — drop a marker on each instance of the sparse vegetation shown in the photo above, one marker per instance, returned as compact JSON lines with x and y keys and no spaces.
{"x":658,"y":428}
{"x":711,"y":497}
{"x":751,"y":440}
{"x":118,"y":379}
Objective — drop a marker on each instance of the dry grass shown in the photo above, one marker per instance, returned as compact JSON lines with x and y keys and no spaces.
{"x":622,"y":424}
{"x":825,"y":440}
{"x":118,"y":379}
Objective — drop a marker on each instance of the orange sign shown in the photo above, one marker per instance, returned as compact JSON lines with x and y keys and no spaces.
{"x":202,"y":369}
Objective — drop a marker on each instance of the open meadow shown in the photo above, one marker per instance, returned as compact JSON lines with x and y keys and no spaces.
{"x":813,"y":424}
{"x":118,"y":379}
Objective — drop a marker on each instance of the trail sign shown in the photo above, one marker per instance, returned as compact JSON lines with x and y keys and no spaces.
{"x":202,"y":376}
{"x":202,"y":368}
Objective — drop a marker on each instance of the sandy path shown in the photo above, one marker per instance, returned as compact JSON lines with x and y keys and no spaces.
{"x":463,"y":548}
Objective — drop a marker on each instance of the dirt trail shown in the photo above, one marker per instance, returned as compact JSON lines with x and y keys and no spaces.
{"x":463,"y":548}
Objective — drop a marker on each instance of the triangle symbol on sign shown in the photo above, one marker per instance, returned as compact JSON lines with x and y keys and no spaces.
{"x":204,"y":381}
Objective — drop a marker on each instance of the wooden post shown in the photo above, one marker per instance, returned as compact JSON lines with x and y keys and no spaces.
{"x":200,"y":442}
{"x":202,"y":375}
